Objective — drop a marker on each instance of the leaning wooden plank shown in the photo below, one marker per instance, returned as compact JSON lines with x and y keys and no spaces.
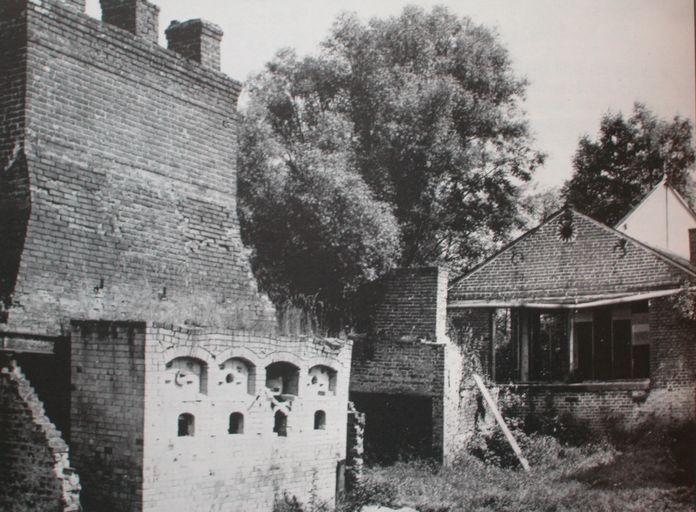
{"x":501,"y":422}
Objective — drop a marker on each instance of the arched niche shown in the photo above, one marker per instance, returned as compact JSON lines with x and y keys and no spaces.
{"x":236,"y":424}
{"x":322,"y":380}
{"x":283,"y":378}
{"x":320,"y":420}
{"x":186,"y":377}
{"x":186,"y":425}
{"x":239,"y":376}
{"x":280,"y":424}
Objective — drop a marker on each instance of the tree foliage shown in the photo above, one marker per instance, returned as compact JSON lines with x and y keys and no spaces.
{"x":630,"y":156}
{"x":401,"y":142}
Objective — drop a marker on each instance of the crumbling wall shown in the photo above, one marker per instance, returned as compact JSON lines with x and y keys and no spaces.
{"x":126,"y":153}
{"x":34,"y":464}
{"x":355,"y":449}
{"x":154,"y":424}
{"x":403,"y":368}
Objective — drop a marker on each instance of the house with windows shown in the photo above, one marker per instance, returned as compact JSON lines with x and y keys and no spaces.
{"x":581,"y":320}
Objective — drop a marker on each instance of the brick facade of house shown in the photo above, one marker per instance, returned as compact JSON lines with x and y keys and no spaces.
{"x":592,"y":270}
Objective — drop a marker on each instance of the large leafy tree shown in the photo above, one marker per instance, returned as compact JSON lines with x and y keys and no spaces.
{"x":401,"y":142}
{"x":628,"y":158}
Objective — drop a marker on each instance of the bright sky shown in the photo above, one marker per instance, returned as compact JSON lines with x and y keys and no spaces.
{"x":581,"y":57}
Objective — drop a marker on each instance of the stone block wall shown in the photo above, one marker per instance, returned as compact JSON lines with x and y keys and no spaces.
{"x":121,"y":183}
{"x":34,"y":462}
{"x":205,"y":375}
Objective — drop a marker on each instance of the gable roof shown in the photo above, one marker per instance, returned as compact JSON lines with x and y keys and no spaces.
{"x":594,"y":262}
{"x":663,"y":183}
{"x":662,"y":219}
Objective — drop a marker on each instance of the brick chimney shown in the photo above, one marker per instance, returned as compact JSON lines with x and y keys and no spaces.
{"x":197,"y":40}
{"x":78,"y":5}
{"x":692,"y":246}
{"x":138,"y":17}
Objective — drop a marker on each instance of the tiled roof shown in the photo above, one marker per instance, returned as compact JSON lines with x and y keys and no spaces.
{"x":586,"y":260}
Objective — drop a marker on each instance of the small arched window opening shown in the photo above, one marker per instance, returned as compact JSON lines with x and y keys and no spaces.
{"x":240,"y":376}
{"x":187,"y":375}
{"x":282,"y":378}
{"x":236,"y":423}
{"x":280,"y":424}
{"x":322,"y":380}
{"x":186,"y":425}
{"x":320,"y":420}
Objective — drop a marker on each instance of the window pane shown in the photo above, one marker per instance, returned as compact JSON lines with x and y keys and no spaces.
{"x":602,"y":345}
{"x":622,"y":349}
{"x":583,"y":340}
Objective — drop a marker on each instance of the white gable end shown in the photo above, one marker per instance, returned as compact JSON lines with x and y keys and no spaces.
{"x":662,"y":220}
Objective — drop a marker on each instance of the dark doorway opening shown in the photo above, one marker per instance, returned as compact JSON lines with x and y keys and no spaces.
{"x":396,"y":426}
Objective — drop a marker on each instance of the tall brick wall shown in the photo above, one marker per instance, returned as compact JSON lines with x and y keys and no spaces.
{"x":107,"y":413}
{"x":130,"y":173}
{"x":412,"y":303}
{"x":129,"y":396}
{"x":34,"y":464}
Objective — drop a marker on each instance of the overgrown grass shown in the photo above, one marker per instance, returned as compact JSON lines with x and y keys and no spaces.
{"x":636,"y":472}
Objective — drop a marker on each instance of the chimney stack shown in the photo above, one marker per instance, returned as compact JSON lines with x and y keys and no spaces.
{"x":138,"y":17}
{"x":78,"y":5}
{"x":197,"y":40}
{"x":692,"y":246}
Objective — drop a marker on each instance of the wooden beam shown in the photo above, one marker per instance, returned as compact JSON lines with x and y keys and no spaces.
{"x":501,"y":422}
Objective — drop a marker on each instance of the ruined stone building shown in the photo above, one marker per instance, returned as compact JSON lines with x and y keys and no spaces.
{"x":131,"y":328}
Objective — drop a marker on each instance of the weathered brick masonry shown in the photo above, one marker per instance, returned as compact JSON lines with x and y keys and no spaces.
{"x":118,"y":210}
{"x":592,"y":271}
{"x":411,"y":302}
{"x":121,"y":182}
{"x":407,"y":372}
{"x":129,"y":397}
{"x":34,"y":464}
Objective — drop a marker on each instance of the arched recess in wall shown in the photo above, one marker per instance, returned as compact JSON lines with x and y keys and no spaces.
{"x":320,"y":420}
{"x":239,"y":376}
{"x":322,"y":381}
{"x":186,"y":425}
{"x":186,"y":377}
{"x":236,"y":425}
{"x":283,"y":378}
{"x":280,"y":424}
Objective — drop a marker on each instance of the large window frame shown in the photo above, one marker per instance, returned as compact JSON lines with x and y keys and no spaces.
{"x":609,"y":343}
